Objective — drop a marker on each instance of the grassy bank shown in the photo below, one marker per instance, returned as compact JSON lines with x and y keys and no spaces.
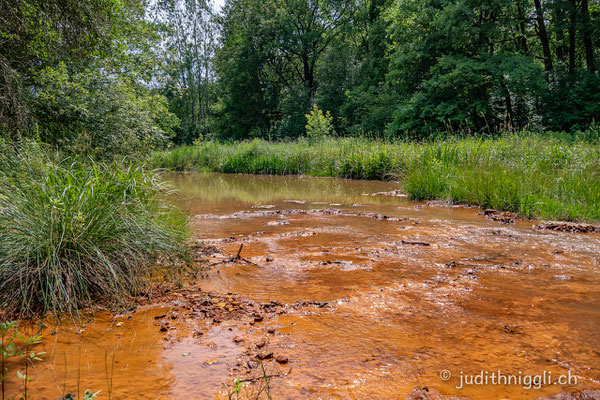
{"x":74,"y":232}
{"x":538,"y":177}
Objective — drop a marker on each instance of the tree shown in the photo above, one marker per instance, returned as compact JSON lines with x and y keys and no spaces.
{"x":35,"y":34}
{"x":78,"y":75}
{"x":269,"y":58}
{"x":190,"y":33}
{"x":468,"y":65}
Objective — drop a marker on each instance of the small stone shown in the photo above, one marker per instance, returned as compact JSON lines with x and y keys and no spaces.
{"x":264,"y":356}
{"x":282,"y":359}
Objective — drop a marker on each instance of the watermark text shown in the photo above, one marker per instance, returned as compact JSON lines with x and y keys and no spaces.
{"x":527,"y":381}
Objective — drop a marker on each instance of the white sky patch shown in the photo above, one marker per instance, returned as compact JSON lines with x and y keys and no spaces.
{"x":218,"y":4}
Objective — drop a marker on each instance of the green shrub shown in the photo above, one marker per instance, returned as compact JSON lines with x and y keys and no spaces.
{"x":99,"y":114}
{"x":318,"y":124}
{"x":72,"y":232}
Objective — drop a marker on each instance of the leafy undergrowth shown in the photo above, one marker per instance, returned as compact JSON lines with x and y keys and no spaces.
{"x":548,"y":177}
{"x":75,"y":232}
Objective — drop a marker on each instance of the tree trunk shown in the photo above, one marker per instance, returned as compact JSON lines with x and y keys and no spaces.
{"x":543,"y":35}
{"x":309,"y":76}
{"x":572,"y":39}
{"x":587,"y":37}
{"x":522,"y":28}
{"x":561,"y":48}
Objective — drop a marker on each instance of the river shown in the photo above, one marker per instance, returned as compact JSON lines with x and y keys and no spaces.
{"x":389,"y":296}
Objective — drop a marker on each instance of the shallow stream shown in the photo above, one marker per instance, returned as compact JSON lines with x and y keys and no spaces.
{"x":399,"y":292}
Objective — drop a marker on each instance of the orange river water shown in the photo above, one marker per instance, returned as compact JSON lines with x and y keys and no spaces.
{"x":481,"y":297}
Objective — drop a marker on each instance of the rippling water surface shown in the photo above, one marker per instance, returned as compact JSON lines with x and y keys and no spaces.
{"x":412,"y":290}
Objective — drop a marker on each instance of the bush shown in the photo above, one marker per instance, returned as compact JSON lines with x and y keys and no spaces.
{"x":99,"y":114}
{"x":72,"y":231}
{"x":318,"y":125}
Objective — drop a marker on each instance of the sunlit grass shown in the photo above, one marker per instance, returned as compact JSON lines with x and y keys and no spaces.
{"x":550,"y":177}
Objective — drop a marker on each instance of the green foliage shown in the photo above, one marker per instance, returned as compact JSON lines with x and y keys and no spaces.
{"x":73,"y":231}
{"x":189,"y":43}
{"x":293,"y":108}
{"x":256,"y":390}
{"x":99,"y":114}
{"x":78,"y":76}
{"x":473,"y":65}
{"x":318,"y":124}
{"x":14,"y":344}
{"x":407,"y":67}
{"x":541,"y":176}
{"x":573,"y":103}
{"x":112,"y":76}
{"x":268,"y":63}
{"x":87,"y":395}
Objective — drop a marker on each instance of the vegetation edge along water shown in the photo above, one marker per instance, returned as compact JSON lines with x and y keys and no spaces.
{"x":539,"y":177}
{"x":75,"y":232}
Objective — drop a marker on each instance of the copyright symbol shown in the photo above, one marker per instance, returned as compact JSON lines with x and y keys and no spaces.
{"x":445,"y":375}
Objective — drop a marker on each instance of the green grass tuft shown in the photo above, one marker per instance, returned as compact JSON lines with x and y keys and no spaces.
{"x":73,"y":232}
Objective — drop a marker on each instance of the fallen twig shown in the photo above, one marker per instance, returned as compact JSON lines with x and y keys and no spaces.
{"x":234,"y":258}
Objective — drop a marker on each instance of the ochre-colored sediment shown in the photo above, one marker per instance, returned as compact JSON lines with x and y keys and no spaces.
{"x":369,"y":298}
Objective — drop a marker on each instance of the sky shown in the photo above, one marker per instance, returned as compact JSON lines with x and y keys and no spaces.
{"x":219,"y":4}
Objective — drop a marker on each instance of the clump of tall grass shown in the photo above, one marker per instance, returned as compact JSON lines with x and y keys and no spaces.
{"x":553,"y":176}
{"x":73,"y":232}
{"x":535,"y":177}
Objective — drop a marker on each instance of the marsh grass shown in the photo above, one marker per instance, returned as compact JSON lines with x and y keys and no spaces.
{"x":75,"y":232}
{"x":551,"y":176}
{"x":251,"y":389}
{"x":14,"y":344}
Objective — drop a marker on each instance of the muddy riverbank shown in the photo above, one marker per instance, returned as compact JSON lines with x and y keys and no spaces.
{"x":340,"y":294}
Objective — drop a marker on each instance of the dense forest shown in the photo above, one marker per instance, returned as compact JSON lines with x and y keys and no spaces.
{"x":415,"y":67}
{"x":108,"y":76}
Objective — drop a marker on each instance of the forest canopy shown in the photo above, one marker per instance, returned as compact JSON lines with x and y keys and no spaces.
{"x":407,"y":66}
{"x":119,"y":76}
